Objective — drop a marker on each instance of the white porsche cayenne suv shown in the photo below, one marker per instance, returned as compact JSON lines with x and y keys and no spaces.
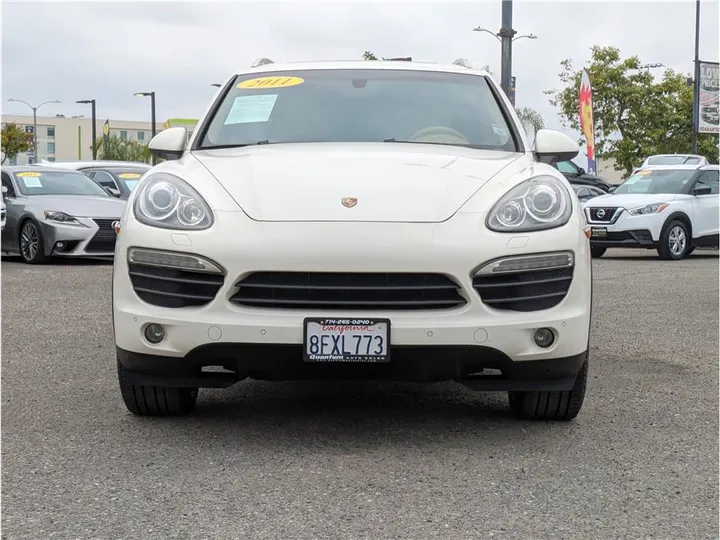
{"x":383,"y":220}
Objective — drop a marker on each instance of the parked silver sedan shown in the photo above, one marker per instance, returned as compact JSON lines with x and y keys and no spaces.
{"x":57,"y":212}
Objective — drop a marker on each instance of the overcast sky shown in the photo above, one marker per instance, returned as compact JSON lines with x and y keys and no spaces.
{"x":109,"y":50}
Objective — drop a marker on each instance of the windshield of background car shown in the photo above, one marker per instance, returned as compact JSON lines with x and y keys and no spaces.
{"x":360,"y":106}
{"x":664,"y":181}
{"x":673,"y":160}
{"x":129,"y":177}
{"x":57,"y":183}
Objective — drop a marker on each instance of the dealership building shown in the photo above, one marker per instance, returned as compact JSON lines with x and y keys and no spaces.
{"x":61,"y":138}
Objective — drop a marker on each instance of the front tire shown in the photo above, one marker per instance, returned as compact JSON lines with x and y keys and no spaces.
{"x":30,"y":241}
{"x":674,"y":241}
{"x":597,"y":251}
{"x":560,"y":405}
{"x":155,"y":400}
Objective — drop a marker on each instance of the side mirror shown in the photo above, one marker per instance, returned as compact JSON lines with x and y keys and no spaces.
{"x":551,"y":145}
{"x":702,"y":190}
{"x":4,"y":190}
{"x":581,"y":170}
{"x":169,"y":143}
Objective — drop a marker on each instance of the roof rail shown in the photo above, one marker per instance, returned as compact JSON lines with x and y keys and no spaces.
{"x":464,"y":62}
{"x":261,"y":62}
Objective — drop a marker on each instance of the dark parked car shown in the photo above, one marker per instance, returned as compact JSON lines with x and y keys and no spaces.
{"x":119,"y":178}
{"x":578,"y":176}
{"x":585,"y":193}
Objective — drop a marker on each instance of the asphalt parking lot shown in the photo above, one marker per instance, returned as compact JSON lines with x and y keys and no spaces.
{"x":362,"y":460}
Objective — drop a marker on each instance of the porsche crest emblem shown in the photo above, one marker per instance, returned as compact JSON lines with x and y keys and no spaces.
{"x":349,"y":202}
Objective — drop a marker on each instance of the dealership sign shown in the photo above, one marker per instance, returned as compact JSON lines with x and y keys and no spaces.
{"x":709,"y":98}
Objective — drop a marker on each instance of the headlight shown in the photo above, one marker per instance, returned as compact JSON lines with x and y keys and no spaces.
{"x":649,"y":209}
{"x":540,"y":203}
{"x":61,"y":217}
{"x":167,"y":201}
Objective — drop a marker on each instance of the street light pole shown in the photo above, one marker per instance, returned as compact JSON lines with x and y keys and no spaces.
{"x":696,"y":90}
{"x":506,"y":36}
{"x":152,"y":115}
{"x":34,"y":110}
{"x":94,"y":126}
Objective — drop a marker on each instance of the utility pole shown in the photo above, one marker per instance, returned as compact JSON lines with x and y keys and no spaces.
{"x":696,"y":90}
{"x":506,"y":38}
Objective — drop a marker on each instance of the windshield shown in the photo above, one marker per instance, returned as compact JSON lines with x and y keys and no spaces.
{"x":127,"y":177}
{"x":673,"y":160}
{"x":360,"y":106}
{"x":57,"y":183}
{"x":670,"y":181}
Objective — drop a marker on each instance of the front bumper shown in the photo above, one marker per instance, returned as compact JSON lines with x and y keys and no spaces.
{"x":223,"y":332}
{"x":626,"y":230}
{"x":95,"y":239}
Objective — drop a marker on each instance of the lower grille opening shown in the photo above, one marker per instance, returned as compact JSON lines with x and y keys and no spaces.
{"x":352,"y":291}
{"x":168,"y":287}
{"x":104,"y":239}
{"x":524,"y":291}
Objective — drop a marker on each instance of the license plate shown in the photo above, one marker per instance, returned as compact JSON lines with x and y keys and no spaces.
{"x":347,"y":340}
{"x":598,"y":232}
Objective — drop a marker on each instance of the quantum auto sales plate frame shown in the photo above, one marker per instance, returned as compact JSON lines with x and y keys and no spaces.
{"x":329,"y":340}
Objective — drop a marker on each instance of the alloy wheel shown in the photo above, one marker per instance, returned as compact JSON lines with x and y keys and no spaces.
{"x":29,"y":241}
{"x":677,"y":240}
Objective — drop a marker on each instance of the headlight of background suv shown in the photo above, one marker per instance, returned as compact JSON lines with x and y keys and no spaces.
{"x":166,"y":201}
{"x":536,"y":204}
{"x":61,"y":217}
{"x":649,"y":209}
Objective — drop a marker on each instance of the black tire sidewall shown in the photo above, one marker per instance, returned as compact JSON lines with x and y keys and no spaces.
{"x":665,"y":251}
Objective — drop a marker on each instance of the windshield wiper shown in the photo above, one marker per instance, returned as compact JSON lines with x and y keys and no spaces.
{"x":221,"y":146}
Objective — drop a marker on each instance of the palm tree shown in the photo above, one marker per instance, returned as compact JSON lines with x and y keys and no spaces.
{"x":530,"y":120}
{"x":118,"y":149}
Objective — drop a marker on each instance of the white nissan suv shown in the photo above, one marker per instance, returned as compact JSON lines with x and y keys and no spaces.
{"x":382,"y":220}
{"x":671,"y":208}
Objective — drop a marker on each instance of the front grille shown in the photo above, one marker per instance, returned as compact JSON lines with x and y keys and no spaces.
{"x":358,"y":291}
{"x":104,"y":239}
{"x":524,"y":291}
{"x":602,"y":215}
{"x":168,"y":287}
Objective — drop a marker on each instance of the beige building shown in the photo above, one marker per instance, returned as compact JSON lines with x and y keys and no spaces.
{"x":61,"y":138}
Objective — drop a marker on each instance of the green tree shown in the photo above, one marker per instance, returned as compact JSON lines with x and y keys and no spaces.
{"x":634,"y":115}
{"x":367,"y":55}
{"x":14,"y":141}
{"x":118,"y":149}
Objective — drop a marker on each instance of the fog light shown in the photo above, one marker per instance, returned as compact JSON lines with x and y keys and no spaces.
{"x":154,"y":333}
{"x":544,"y":337}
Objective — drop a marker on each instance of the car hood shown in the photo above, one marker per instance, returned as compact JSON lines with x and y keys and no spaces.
{"x":629,"y":200}
{"x":391,"y":182}
{"x":78,"y":206}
